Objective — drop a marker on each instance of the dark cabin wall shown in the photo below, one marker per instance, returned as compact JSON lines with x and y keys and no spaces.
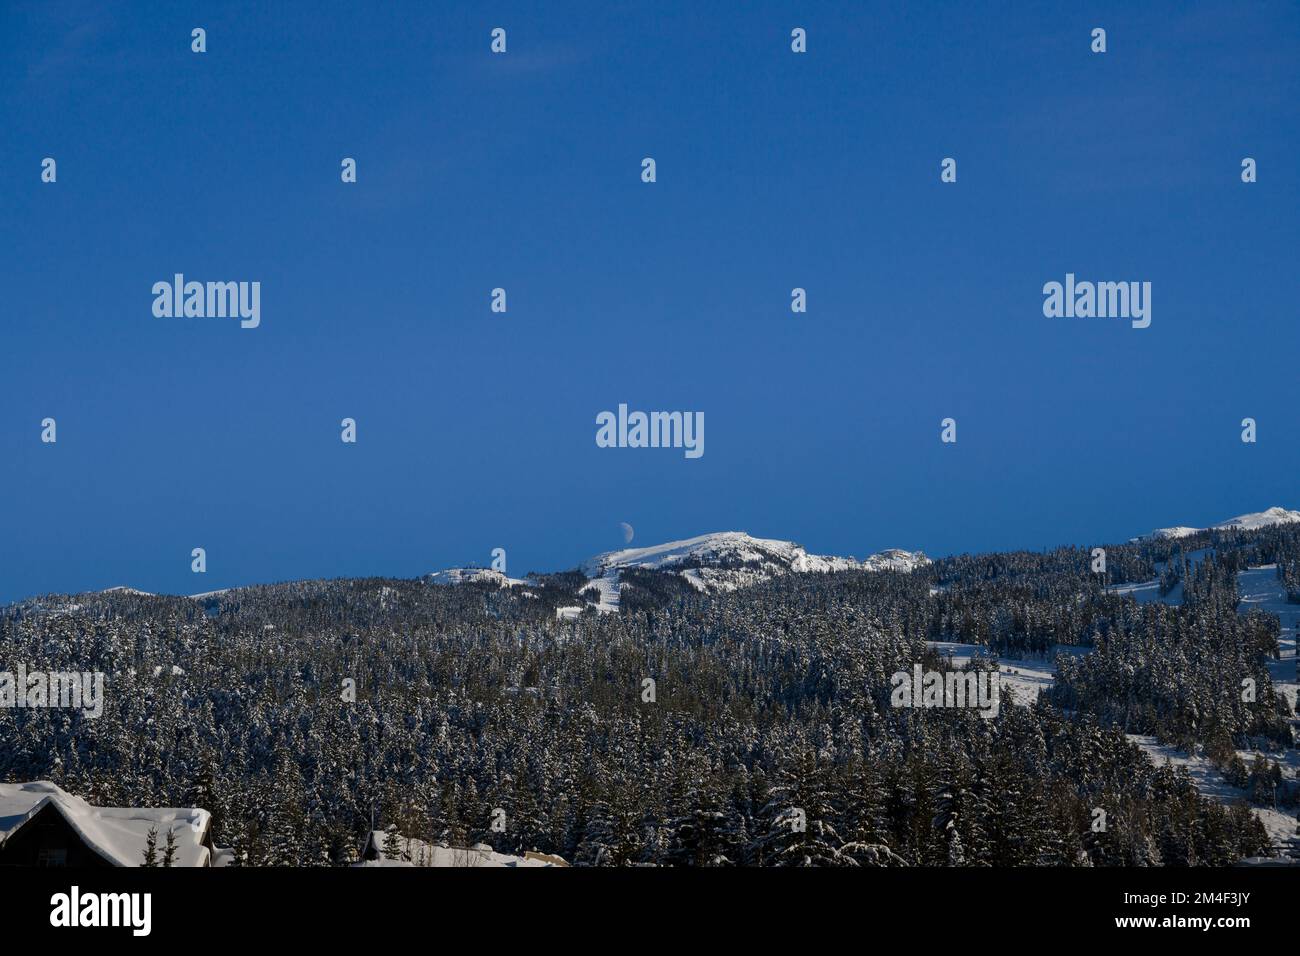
{"x":49,"y":830}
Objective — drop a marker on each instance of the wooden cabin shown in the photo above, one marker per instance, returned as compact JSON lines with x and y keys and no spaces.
{"x":42,"y":825}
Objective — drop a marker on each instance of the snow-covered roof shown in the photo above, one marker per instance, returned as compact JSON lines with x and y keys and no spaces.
{"x":420,"y":853}
{"x":118,"y":834}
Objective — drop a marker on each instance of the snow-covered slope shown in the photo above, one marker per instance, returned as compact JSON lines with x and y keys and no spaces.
{"x":1247,"y":522}
{"x":727,"y":560}
{"x":1260,"y":519}
{"x":720,"y":549}
{"x":1179,"y":531}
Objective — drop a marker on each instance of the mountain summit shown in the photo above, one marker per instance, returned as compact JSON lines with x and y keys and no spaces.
{"x":1247,"y":522}
{"x":726,"y":560}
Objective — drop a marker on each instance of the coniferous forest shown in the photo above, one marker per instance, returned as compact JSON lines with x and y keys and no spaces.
{"x":769,"y":702}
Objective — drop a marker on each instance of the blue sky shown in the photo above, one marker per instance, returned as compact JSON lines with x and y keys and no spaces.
{"x":775,"y":170}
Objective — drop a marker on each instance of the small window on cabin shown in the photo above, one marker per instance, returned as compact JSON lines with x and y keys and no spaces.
{"x":47,"y":856}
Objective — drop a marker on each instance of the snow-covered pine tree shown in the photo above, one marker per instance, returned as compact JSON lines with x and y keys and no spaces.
{"x":169,"y":851}
{"x":151,"y":848}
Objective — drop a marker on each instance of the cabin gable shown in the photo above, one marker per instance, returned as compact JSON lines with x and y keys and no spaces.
{"x":48,"y":840}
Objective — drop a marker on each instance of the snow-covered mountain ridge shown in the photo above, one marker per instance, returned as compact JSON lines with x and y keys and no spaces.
{"x":726,"y":560}
{"x":1247,"y":522}
{"x":722,"y":561}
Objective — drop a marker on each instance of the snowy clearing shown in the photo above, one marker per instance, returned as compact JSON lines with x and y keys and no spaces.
{"x":1024,"y":677}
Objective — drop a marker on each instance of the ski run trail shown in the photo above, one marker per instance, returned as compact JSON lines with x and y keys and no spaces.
{"x":1260,"y":590}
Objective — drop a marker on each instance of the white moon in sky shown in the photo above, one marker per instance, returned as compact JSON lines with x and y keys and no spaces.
{"x":627,"y":532}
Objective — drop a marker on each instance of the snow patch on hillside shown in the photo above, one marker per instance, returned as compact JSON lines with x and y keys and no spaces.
{"x":417,"y":853}
{"x":1024,"y":677}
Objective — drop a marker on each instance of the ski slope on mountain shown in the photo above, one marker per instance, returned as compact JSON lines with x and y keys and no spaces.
{"x":1260,"y":590}
{"x":608,"y":587}
{"x":1146,"y":592}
